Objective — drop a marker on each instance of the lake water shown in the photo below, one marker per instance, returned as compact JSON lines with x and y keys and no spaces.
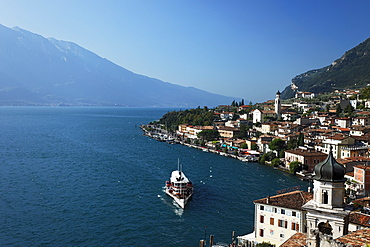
{"x":88,"y":177}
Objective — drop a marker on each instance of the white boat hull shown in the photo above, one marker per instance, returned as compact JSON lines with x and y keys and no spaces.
{"x":180,"y":201}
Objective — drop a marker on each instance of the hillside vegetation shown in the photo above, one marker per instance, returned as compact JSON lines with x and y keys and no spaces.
{"x":352,"y":71}
{"x":197,"y":117}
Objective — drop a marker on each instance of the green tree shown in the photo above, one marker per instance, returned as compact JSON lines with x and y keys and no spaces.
{"x":300,"y":139}
{"x":349,"y":109}
{"x":295,"y":166}
{"x":265,"y":244}
{"x":277,"y":145}
{"x":217,"y":146}
{"x":365,"y":93}
{"x":243,"y":133}
{"x":244,"y":145}
{"x":292,"y":143}
{"x":209,"y":135}
{"x":254,"y":146}
{"x":276,"y":162}
{"x":267,"y":157}
{"x":338,"y":110}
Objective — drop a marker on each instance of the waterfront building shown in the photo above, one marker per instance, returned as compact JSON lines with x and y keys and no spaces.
{"x":309,"y":158}
{"x":190,"y":131}
{"x":228,"y":132}
{"x":277,"y":218}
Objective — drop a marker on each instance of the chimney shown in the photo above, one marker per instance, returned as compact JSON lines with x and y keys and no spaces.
{"x":268,"y":199}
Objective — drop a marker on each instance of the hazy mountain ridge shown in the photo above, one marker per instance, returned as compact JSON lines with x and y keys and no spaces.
{"x":39,"y":71}
{"x":352,"y":71}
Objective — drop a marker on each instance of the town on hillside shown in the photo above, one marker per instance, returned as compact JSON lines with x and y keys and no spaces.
{"x":323,"y":138}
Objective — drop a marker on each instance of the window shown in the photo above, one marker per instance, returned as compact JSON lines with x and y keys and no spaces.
{"x":261,"y":232}
{"x":282,"y":211}
{"x":262,"y":207}
{"x":271,"y":221}
{"x":283,"y":223}
{"x":293,"y":226}
{"x":281,"y":235}
{"x":280,"y":223}
{"x":325,"y":199}
{"x":262,"y":218}
{"x":294,"y":213}
{"x":275,"y":210}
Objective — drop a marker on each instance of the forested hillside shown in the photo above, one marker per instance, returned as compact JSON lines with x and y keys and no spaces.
{"x":352,"y":71}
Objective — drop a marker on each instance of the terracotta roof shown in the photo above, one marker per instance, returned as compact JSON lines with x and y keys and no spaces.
{"x":228,"y":128}
{"x":268,"y":112}
{"x":337,"y":137}
{"x":358,"y":158}
{"x":364,"y":113}
{"x":364,"y":138}
{"x":292,"y":200}
{"x":356,"y":239}
{"x":203,"y":127}
{"x":363,"y":167}
{"x":306,"y":153}
{"x":297,"y":240}
{"x":344,"y":161}
{"x":363,"y":201}
{"x":359,"y":219}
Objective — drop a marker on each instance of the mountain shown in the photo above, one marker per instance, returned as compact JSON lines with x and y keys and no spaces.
{"x":39,"y":71}
{"x":352,"y":71}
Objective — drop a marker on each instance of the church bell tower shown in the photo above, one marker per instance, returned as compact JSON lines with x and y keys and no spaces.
{"x":325,"y":213}
{"x":278,"y":105}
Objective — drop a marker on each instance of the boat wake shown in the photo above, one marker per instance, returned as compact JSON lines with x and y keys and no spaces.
{"x":174,"y":206}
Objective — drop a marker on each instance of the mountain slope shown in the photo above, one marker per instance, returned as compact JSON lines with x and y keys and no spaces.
{"x":352,"y":70}
{"x":39,"y":71}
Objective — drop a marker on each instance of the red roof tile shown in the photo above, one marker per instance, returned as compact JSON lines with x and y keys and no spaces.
{"x":292,"y":200}
{"x":359,"y":219}
{"x":356,"y":239}
{"x":297,"y":240}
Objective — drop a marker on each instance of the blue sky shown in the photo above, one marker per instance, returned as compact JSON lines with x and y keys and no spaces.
{"x":246,"y":49}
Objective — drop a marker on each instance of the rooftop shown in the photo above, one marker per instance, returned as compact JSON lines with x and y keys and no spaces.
{"x":359,"y":219}
{"x":292,"y":200}
{"x":306,"y":153}
{"x":297,"y":240}
{"x":357,"y":238}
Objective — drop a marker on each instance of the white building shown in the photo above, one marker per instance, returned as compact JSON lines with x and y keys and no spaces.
{"x":277,"y":218}
{"x":336,"y":142}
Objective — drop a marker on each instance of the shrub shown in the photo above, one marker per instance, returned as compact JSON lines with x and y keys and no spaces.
{"x":295,"y":166}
